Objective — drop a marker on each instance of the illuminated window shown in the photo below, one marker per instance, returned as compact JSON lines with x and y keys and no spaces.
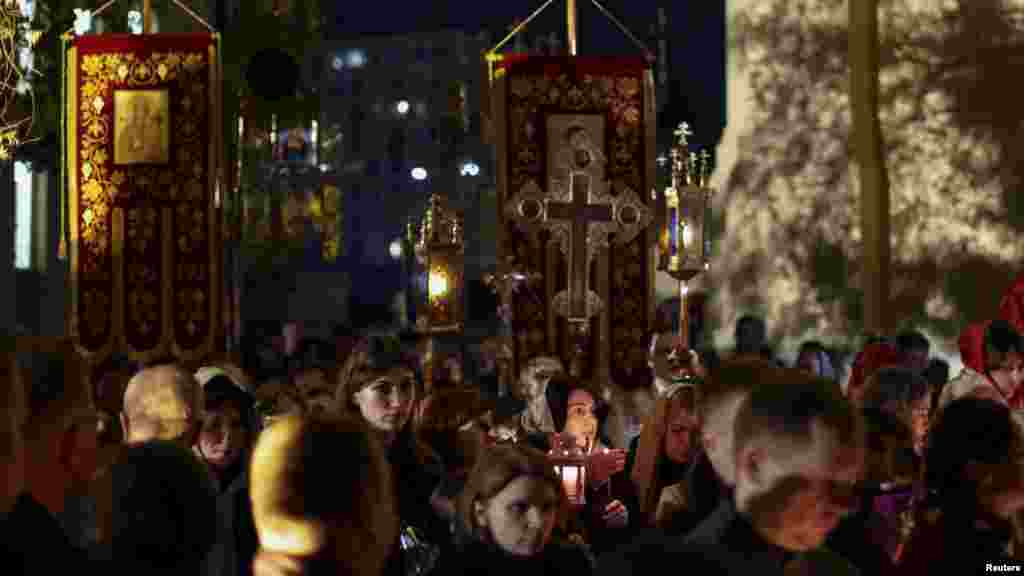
{"x":31,"y":242}
{"x":22,"y":216}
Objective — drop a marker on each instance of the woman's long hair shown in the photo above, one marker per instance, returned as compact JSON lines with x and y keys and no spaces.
{"x":651,"y":449}
{"x":373,"y":356}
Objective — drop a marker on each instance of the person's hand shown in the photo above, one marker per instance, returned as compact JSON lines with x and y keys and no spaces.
{"x":601,"y":466}
{"x":696,"y":368}
{"x":267,"y":563}
{"x":615,"y":515}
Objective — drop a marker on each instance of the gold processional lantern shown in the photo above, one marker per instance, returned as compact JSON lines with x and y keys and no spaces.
{"x":439,"y":249}
{"x":684,"y":242}
{"x":570,"y":464}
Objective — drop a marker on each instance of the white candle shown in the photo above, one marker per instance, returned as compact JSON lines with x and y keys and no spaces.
{"x":570,"y":476}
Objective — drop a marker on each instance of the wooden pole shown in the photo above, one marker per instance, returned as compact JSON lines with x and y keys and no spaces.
{"x":868,"y":147}
{"x":570,"y":17}
{"x":684,"y":316}
{"x":147,"y":16}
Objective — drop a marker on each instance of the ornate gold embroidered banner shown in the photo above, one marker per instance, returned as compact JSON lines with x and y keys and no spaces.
{"x":144,"y":165}
{"x":575,"y":141}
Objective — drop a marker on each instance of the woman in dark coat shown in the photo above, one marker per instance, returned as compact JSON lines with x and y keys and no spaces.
{"x":379,"y":383}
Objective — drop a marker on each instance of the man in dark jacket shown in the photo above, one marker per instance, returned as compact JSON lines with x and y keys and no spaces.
{"x":799,"y":451}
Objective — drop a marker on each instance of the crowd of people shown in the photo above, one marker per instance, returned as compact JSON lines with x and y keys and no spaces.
{"x":358,"y":458}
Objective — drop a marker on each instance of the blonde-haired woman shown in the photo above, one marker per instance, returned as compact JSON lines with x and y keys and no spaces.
{"x":663,"y":455}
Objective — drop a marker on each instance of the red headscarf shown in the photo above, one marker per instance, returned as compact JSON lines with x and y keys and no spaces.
{"x":1011,"y":308}
{"x":972,"y":347}
{"x":871,"y":359}
{"x":972,"y":354}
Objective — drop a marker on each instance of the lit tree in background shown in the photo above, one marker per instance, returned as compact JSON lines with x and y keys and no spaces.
{"x":17,"y":99}
{"x":949,"y":114}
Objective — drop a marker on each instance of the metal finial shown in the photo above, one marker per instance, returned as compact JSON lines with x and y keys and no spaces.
{"x":683,"y":133}
{"x":705,"y":167}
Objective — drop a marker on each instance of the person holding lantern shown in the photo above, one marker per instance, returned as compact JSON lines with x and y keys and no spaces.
{"x":606,"y":495}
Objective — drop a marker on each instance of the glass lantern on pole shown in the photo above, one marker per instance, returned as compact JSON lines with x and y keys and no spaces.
{"x":570,"y":464}
{"x":439,"y":250}
{"x":684,"y":242}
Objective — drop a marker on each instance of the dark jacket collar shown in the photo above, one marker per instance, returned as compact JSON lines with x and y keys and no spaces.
{"x":477,"y":557}
{"x":729,"y":530}
{"x":704,"y":490}
{"x":975,"y":540}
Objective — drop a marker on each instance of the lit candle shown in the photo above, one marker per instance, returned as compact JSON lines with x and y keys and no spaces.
{"x":570,"y":480}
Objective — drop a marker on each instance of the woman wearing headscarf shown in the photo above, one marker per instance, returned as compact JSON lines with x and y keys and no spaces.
{"x":227,"y":432}
{"x":993,"y":357}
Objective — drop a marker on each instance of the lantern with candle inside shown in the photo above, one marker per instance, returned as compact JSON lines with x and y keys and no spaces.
{"x":570,"y":464}
{"x":440,"y":251}
{"x":684,"y":243}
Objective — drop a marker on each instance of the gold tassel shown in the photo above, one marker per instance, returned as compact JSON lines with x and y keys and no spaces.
{"x":62,"y":249}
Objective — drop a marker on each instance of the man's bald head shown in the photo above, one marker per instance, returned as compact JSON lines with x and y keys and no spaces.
{"x":161,"y":403}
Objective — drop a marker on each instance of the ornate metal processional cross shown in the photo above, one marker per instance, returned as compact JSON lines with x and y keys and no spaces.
{"x":578,"y":208}
{"x":579,"y":213}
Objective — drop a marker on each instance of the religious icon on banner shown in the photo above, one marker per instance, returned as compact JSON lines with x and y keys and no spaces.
{"x":142,"y":133}
{"x":293,"y":146}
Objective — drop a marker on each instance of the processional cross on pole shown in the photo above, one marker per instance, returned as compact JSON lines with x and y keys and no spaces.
{"x":581,"y":214}
{"x":577,"y":209}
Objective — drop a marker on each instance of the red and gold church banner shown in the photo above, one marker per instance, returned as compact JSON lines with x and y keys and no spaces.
{"x":547,"y":110}
{"x":143,"y":160}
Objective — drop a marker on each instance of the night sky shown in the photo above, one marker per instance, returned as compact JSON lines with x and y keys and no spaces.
{"x":697,"y":39}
